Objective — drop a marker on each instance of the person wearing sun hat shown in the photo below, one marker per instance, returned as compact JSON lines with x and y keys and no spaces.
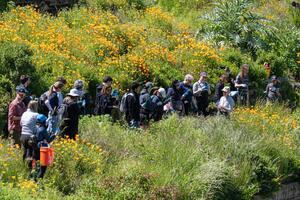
{"x":70,"y":115}
{"x":201,"y":91}
{"x":226,"y":102}
{"x":15,"y":112}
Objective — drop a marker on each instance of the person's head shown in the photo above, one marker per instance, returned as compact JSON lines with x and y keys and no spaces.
{"x":78,"y":84}
{"x":57,"y":87}
{"x":136,"y":87}
{"x":245,"y":69}
{"x":226,"y":91}
{"x":148,"y":86}
{"x":223,"y":78}
{"x":33,"y":106}
{"x":25,"y":80}
{"x":21,"y":93}
{"x":188,"y":79}
{"x":106,"y":90}
{"x":267,"y":65}
{"x":41,"y":119}
{"x":176,"y":85}
{"x":107,"y":80}
{"x":274,"y":79}
{"x":203,"y":76}
{"x":161,"y":92}
{"x":62,"y":80}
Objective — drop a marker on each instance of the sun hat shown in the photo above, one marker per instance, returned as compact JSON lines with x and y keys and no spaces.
{"x":163,"y":93}
{"x":273,"y":78}
{"x":21,"y":90}
{"x":226,"y":89}
{"x":72,"y":93}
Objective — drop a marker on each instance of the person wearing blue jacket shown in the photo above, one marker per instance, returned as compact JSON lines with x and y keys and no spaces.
{"x":187,"y":87}
{"x":42,"y":138}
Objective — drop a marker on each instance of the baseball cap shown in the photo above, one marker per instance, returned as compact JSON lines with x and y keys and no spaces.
{"x":203,"y":74}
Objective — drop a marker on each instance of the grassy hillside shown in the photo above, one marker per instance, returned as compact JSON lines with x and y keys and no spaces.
{"x":216,"y":158}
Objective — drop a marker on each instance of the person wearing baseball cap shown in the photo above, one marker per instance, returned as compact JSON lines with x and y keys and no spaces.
{"x":226,"y":103}
{"x":201,"y":91}
{"x":15,"y":112}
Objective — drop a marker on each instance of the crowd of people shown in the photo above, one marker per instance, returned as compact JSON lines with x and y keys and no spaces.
{"x":33,"y":123}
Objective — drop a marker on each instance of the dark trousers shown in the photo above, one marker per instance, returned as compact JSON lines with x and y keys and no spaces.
{"x":202,"y":104}
{"x":28,"y":149}
{"x":187,"y":106}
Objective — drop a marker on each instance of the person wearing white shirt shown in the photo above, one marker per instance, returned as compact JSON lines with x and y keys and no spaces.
{"x":226,"y":102}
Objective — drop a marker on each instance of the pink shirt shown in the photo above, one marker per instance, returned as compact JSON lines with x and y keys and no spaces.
{"x":16,"y":109}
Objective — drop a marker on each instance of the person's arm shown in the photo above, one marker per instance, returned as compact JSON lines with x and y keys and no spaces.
{"x":208,"y":89}
{"x":12,"y":112}
{"x":185,"y":90}
{"x":238,"y":82}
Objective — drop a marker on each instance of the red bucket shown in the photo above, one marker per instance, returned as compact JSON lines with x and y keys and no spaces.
{"x":46,"y":156}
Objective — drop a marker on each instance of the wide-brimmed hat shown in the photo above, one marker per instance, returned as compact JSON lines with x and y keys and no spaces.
{"x":72,"y":93}
{"x":226,"y":89}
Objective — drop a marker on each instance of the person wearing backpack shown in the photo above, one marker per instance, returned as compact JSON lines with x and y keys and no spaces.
{"x":15,"y":112}
{"x":107,"y":81}
{"x":70,"y":118}
{"x":28,"y":124}
{"x":84,"y":98}
{"x":132,"y":106}
{"x":158,"y":103}
{"x":52,"y":99}
{"x":105,"y":101}
{"x":201,"y":91}
{"x":145,"y":101}
{"x":187,"y":86}
{"x":176,"y":94}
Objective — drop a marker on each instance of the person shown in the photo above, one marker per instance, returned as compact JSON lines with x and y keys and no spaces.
{"x":24,"y":83}
{"x":242,"y":84}
{"x":144,"y":102}
{"x":201,"y":91}
{"x":105,"y":101}
{"x":187,"y":86}
{"x":175,"y":96}
{"x":70,"y":118}
{"x":158,"y":104}
{"x":78,"y":88}
{"x":15,"y":112}
{"x":42,"y":137}
{"x":272,"y":90}
{"x":267,"y":68}
{"x":28,"y":124}
{"x":219,"y":87}
{"x":226,"y":103}
{"x":52,"y":99}
{"x":107,"y":80}
{"x":132,"y":113}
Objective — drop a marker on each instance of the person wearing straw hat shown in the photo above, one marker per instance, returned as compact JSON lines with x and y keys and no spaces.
{"x":226,"y":102}
{"x":70,"y":115}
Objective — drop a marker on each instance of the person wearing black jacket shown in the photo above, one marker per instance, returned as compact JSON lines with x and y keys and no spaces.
{"x":219,"y":87}
{"x":107,"y":81}
{"x":132,"y":114}
{"x":69,"y":126}
{"x":105,"y":101}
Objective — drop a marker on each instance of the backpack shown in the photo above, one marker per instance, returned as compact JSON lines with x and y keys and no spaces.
{"x":123,"y":104}
{"x":148,"y":104}
{"x":42,"y":108}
